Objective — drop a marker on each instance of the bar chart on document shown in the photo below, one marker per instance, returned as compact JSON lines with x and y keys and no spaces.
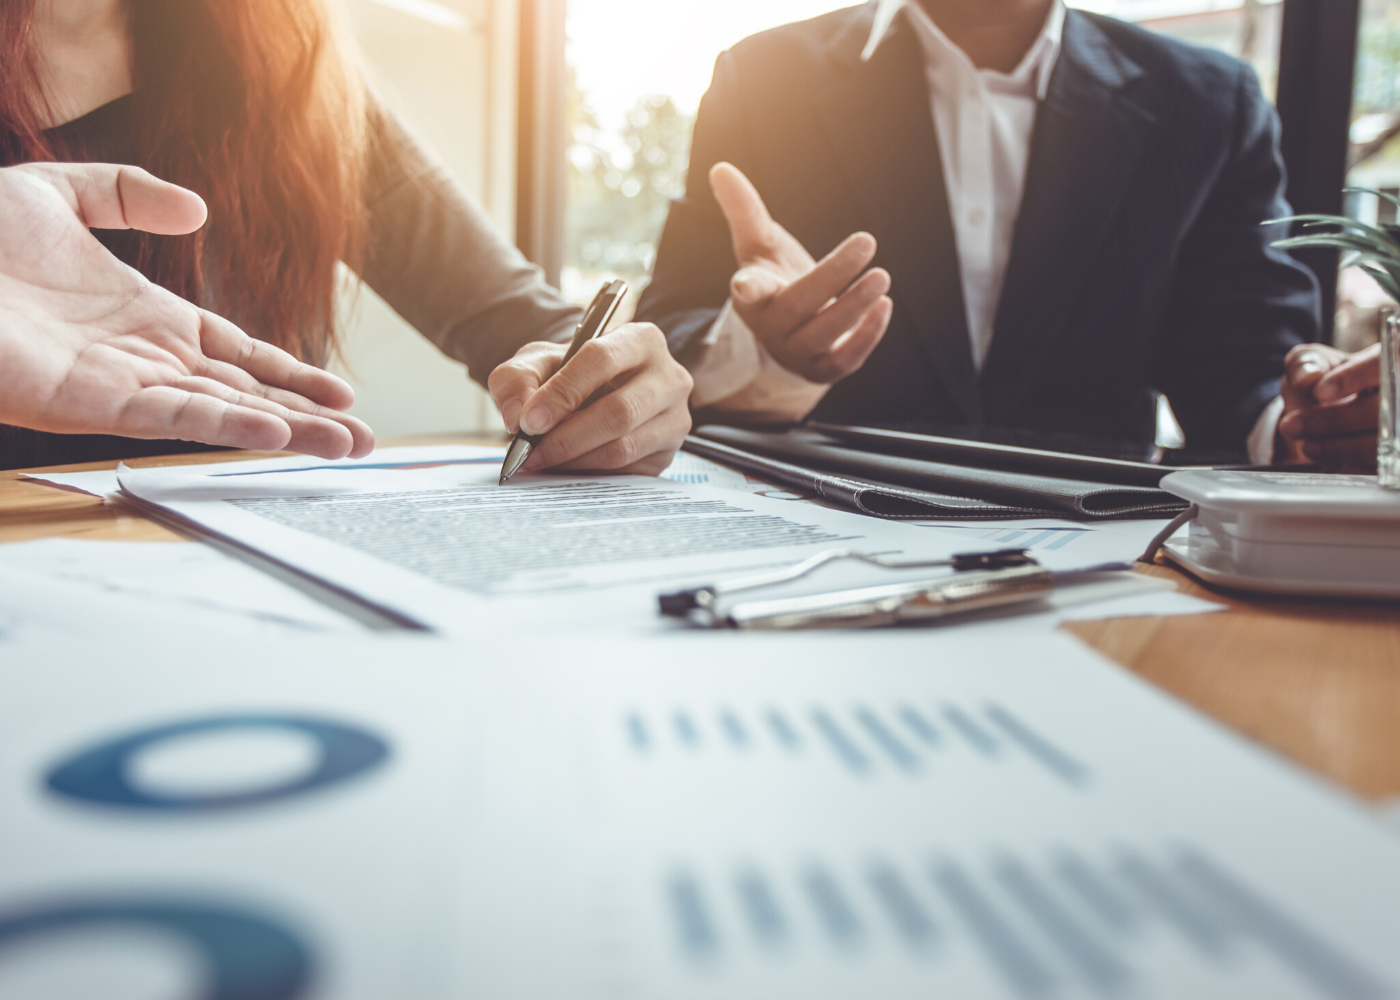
{"x":923,"y":874}
{"x":1036,"y":539}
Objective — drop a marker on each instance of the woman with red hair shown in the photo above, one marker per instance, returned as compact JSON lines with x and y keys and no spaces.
{"x":259,"y":107}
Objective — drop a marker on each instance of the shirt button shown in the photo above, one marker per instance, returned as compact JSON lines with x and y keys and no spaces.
{"x":976,"y":217}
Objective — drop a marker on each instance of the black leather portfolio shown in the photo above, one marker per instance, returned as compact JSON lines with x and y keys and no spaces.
{"x":900,"y":486}
{"x":1008,"y":457}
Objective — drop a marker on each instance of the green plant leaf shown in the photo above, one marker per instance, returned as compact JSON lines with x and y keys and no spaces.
{"x":1357,"y":259}
{"x":1349,"y":227}
{"x":1387,"y":253}
{"x":1379,"y":194}
{"x":1330,"y":220}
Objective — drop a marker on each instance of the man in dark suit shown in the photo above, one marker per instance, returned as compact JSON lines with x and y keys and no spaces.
{"x":1063,"y":213}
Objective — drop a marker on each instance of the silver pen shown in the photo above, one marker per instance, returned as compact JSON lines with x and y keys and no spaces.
{"x":594,"y":322}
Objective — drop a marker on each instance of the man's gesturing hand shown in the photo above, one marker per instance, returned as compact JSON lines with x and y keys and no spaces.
{"x":1331,"y":407}
{"x":88,"y":345}
{"x":635,"y":425}
{"x":816,"y":319}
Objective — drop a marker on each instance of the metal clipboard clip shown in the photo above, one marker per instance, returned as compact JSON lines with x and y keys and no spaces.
{"x":979,"y":581}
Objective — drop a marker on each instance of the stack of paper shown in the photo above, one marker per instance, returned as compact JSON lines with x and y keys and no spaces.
{"x":449,"y":549}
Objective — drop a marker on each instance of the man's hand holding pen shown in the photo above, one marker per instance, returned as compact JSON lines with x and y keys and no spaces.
{"x":636,"y":424}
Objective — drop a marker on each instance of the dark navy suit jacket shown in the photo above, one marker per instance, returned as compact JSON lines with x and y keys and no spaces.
{"x":1138,"y":261}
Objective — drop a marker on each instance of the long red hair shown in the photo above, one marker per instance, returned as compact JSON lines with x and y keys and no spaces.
{"x":259,"y":107}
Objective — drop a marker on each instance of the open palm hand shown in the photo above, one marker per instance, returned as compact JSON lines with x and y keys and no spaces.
{"x":88,"y":345}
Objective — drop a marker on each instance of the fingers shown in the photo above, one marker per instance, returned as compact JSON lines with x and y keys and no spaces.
{"x":819,"y":333}
{"x":314,"y":430}
{"x":203,"y":410}
{"x":1358,"y":373}
{"x":851,"y":352}
{"x":645,"y":451}
{"x":1304,"y":365}
{"x":1357,"y":415}
{"x":167,"y":412}
{"x":107,"y":196}
{"x":750,"y":225}
{"x":599,"y":362}
{"x":1340,"y":435}
{"x":221,"y":341}
{"x":754,"y":286}
{"x":1356,"y":453}
{"x":309,"y":399}
{"x":514,"y":382}
{"x":645,"y":382}
{"x":806,"y":296}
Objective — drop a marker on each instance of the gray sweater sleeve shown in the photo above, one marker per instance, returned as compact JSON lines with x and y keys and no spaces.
{"x":433,"y":255}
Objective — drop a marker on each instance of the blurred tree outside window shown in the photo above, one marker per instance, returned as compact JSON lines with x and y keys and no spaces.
{"x":1373,"y":162}
{"x":637,"y":71}
{"x":620,"y":188}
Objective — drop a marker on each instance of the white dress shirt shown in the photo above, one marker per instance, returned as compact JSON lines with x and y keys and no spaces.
{"x":984,"y":120}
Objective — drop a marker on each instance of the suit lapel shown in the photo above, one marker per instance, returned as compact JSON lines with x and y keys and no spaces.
{"x":1088,"y":139}
{"x":880,"y":126}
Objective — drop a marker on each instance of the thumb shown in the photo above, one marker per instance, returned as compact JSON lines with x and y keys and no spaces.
{"x":1305,"y":366}
{"x":1357,"y":373}
{"x":743,"y":208}
{"x":107,"y":196}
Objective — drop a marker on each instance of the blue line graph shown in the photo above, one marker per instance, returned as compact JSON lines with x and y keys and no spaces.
{"x":489,"y":460}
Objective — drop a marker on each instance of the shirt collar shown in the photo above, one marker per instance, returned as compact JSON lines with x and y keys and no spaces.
{"x":1039,"y":59}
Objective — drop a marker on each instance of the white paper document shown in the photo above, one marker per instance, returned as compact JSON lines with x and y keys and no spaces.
{"x":104,"y":481}
{"x":38,"y":609}
{"x":449,"y":548}
{"x":894,"y":815}
{"x":1055,"y":542}
{"x":688,"y":468}
{"x":175,"y":578}
{"x":1060,"y":543}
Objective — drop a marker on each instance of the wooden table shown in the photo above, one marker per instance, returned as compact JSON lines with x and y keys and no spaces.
{"x":1317,"y":682}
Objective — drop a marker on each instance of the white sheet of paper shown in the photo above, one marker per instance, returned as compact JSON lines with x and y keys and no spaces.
{"x":448,"y":547}
{"x":901,"y":815}
{"x":104,"y":481}
{"x":177,"y":574}
{"x":688,"y":468}
{"x":1057,"y":543}
{"x":1060,"y":543}
{"x":38,"y":608}
{"x":355,"y":882}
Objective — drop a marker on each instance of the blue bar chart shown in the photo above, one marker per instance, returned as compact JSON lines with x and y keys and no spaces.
{"x":906,"y":738}
{"x":1065,"y":924}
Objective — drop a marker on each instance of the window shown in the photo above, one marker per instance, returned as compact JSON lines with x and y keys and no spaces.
{"x":637,"y":71}
{"x":439,"y":64}
{"x":1373,"y":161}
